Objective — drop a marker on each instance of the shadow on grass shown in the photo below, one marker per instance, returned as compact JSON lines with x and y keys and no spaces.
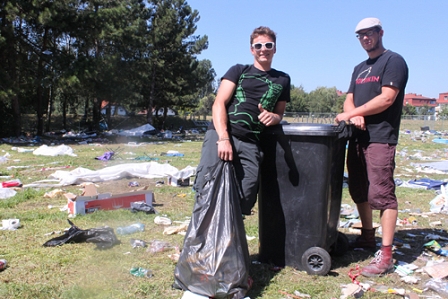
{"x":409,"y":243}
{"x":262,"y":275}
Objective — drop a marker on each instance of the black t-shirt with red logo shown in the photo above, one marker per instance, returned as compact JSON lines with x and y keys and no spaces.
{"x":389,"y":69}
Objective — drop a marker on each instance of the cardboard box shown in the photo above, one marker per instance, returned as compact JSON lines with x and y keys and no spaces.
{"x":80,"y":205}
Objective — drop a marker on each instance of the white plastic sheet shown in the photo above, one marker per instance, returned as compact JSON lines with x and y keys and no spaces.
{"x":146,"y":170}
{"x":136,"y":131}
{"x":53,"y":151}
{"x":6,"y":193}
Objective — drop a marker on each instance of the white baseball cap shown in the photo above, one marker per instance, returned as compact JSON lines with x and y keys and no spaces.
{"x":368,"y":23}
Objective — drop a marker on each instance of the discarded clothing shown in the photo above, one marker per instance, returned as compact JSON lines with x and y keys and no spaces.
{"x":106,"y":156}
{"x":428,"y":184}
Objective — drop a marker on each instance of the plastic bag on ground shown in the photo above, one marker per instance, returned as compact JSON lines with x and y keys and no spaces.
{"x":103,"y":237}
{"x":215,"y":261}
{"x":7,"y":193}
{"x":440,"y":203}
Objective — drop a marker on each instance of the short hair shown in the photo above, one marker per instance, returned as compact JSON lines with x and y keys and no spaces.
{"x":262,"y":30}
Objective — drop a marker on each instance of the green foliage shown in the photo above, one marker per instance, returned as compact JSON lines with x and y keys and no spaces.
{"x":322,"y":99}
{"x":72,"y":54}
{"x":299,"y":100}
{"x":409,"y":110}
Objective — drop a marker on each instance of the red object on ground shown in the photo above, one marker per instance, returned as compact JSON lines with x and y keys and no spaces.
{"x":11,"y":184}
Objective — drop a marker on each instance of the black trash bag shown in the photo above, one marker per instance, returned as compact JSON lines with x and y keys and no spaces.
{"x":103,"y":237}
{"x":215,"y":261}
{"x":141,"y":206}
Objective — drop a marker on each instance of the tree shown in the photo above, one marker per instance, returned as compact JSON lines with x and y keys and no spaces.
{"x":299,"y":100}
{"x":323,"y":99}
{"x":409,"y":110}
{"x":424,"y":110}
{"x":205,"y":105}
{"x":172,"y":54}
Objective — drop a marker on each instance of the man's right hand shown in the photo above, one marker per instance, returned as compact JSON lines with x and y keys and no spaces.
{"x":225,"y":151}
{"x":359,"y":122}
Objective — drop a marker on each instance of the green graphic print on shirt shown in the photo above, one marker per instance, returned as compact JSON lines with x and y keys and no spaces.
{"x":268,"y":98}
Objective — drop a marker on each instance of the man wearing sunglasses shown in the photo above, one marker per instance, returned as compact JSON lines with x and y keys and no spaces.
{"x":374,"y":104}
{"x":249,"y":98}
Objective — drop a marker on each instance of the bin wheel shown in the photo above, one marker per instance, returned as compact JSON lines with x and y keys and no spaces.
{"x":317,"y":261}
{"x":341,"y":246}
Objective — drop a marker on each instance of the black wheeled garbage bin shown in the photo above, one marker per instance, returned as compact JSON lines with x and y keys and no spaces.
{"x":300,"y":195}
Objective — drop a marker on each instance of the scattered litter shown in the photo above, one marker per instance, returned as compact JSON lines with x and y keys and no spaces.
{"x":158,"y":246}
{"x":148,"y":170}
{"x":137,"y":243}
{"x":301,"y":295}
{"x":103,"y":237}
{"x":435,"y":223}
{"x":141,"y":206}
{"x":54,"y":168}
{"x":80,"y":205}
{"x":3,"y":264}
{"x":22,"y":150}
{"x":54,"y":193}
{"x":172,"y":153}
{"x":10,"y":224}
{"x":404,"y":269}
{"x":60,"y":150}
{"x":141,"y":272}
{"x":437,"y":271}
{"x":440,"y":203}
{"x":180,"y":229}
{"x":439,"y":286}
{"x":162,"y":220}
{"x":250,"y":238}
{"x":106,"y":156}
{"x":131,"y":229}
{"x":426,"y":183}
{"x":175,"y":256}
{"x":12,"y":183}
{"x":136,"y":131}
{"x":410,"y":279}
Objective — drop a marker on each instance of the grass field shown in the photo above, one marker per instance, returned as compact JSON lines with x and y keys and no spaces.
{"x":82,"y":271}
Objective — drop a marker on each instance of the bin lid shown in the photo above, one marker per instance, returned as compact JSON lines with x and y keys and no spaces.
{"x":305,"y":129}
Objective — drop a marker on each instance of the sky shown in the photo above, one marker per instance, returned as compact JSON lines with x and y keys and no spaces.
{"x":316,"y":43}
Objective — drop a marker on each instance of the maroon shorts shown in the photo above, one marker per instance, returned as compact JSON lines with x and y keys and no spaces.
{"x":371,"y":174}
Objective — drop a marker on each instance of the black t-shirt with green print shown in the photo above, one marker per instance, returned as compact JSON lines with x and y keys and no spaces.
{"x":253,"y":86}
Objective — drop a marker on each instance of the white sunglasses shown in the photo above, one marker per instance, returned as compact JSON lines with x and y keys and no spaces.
{"x":267,"y":46}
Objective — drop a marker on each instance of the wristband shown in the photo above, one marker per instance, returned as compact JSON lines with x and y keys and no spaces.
{"x":222,"y":139}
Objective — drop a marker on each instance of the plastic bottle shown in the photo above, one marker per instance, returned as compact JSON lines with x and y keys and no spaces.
{"x":130,"y":229}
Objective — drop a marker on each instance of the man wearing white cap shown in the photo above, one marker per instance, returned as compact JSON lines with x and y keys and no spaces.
{"x":374,"y":104}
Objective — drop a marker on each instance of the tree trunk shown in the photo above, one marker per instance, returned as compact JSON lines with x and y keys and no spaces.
{"x":17,"y":125}
{"x":64,"y":112}
{"x":149,"y":117}
{"x":49,"y":109}
{"x":39,"y":95}
{"x":13,"y":76}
